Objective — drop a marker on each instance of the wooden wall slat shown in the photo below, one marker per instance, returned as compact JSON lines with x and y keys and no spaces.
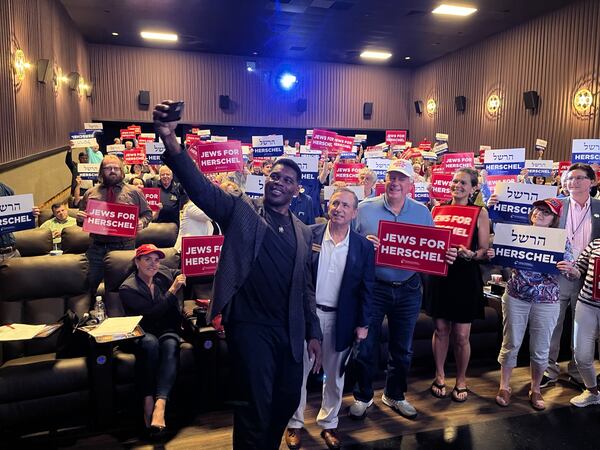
{"x":335,"y":92}
{"x":549,"y":55}
{"x":41,"y":119}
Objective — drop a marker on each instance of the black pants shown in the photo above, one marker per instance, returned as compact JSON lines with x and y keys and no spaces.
{"x":267,"y":381}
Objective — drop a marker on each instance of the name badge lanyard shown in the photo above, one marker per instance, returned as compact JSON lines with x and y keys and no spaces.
{"x":574,"y":229}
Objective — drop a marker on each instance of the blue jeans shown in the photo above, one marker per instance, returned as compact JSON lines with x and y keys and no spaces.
{"x":95,"y":256}
{"x":401,"y":305}
{"x":156,"y":361}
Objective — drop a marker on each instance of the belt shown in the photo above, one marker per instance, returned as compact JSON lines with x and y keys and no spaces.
{"x":395,"y":284}
{"x":326,"y":308}
{"x":5,"y":250}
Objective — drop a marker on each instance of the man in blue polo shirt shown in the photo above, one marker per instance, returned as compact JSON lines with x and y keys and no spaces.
{"x":397,"y":294}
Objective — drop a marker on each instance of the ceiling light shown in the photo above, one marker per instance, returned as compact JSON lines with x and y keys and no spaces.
{"x":407,"y":58}
{"x":115,"y":33}
{"x":367,"y":54}
{"x":287,"y":81}
{"x":159,"y":36}
{"x":453,"y":10}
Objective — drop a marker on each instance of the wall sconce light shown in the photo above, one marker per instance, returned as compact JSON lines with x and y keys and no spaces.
{"x":431,"y":106}
{"x":20,"y":66}
{"x":73,"y":80}
{"x":583,"y":101}
{"x":82,"y":87}
{"x":90,"y":89}
{"x":493,"y":104}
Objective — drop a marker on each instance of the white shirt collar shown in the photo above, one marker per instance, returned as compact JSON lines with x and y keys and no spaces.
{"x":327,"y":237}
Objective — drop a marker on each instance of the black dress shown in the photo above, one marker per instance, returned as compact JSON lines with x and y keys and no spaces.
{"x":457,"y":297}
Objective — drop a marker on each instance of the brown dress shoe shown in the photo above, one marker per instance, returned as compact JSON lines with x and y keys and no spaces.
{"x":330,"y":438}
{"x":292,"y":438}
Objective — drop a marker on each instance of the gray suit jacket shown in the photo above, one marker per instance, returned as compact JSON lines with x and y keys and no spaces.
{"x":243,"y":223}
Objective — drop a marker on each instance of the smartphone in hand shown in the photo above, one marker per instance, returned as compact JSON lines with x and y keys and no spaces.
{"x":175,"y":112}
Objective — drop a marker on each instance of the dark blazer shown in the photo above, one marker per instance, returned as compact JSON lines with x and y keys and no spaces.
{"x":595,"y":212}
{"x":243,"y":223}
{"x":356,"y":290}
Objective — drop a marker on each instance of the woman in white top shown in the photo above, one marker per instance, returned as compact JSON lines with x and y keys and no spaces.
{"x":193,"y":222}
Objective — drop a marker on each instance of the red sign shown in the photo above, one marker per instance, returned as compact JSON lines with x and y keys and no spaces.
{"x":440,"y":186}
{"x":152,"y":197}
{"x":563,"y":166}
{"x":492,"y":180}
{"x":438,"y":168}
{"x":347,"y":172}
{"x":596,"y":287}
{"x":195,"y":130}
{"x":217,"y":157}
{"x":379,"y":189}
{"x":323,"y":140}
{"x":425,"y":145}
{"x":137,"y":129}
{"x":127,"y":134}
{"x":343,"y":144}
{"x":134,"y":156}
{"x":191,"y":138}
{"x":455,"y":161}
{"x":395,"y":137}
{"x":461,"y":220}
{"x":111,"y":219}
{"x":143,"y":139}
{"x":413,"y":247}
{"x":200,"y":255}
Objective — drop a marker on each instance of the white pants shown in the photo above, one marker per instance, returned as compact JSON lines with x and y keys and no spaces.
{"x":333,"y":384}
{"x":586,"y":332}
{"x":542,"y":320}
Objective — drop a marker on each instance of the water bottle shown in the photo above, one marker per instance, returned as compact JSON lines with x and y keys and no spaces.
{"x":99,"y":309}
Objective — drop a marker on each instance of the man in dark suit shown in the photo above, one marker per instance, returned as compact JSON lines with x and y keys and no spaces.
{"x":581,"y":218}
{"x":343,"y":273}
{"x":263,"y":289}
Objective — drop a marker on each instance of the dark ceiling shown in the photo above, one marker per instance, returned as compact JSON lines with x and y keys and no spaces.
{"x":317,"y":30}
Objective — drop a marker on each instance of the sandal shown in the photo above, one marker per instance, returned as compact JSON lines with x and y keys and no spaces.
{"x":503,"y":397}
{"x":537,"y":401}
{"x":441,"y":389}
{"x":457,"y":391}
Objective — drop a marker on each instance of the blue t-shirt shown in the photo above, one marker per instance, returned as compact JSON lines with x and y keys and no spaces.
{"x":372,"y":210}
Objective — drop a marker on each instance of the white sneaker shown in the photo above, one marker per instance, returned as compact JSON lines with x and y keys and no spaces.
{"x":403,"y":407}
{"x":586,"y":398}
{"x":358,"y":410}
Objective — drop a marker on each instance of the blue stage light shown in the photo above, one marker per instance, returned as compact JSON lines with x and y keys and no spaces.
{"x":287,"y":80}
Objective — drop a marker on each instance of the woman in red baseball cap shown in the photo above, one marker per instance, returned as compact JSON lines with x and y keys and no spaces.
{"x":151,"y":291}
{"x":530,"y":297}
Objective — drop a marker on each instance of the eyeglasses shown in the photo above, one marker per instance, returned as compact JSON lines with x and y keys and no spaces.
{"x":111,"y":169}
{"x":578,"y":178}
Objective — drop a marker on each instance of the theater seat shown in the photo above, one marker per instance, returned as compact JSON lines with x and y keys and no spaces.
{"x":34,"y":242}
{"x":118,"y":265}
{"x":37,"y":390}
{"x":74,"y":240}
{"x":162,"y":235}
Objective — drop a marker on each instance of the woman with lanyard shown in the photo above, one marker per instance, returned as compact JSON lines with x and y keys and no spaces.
{"x":453,"y":307}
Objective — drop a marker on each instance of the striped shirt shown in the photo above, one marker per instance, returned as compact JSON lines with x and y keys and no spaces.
{"x":585,"y":265}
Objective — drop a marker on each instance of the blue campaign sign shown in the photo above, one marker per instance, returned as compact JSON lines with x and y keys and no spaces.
{"x":88,"y":171}
{"x":267,"y":146}
{"x":154,"y":151}
{"x":379,"y":166}
{"x":586,"y":151}
{"x":527,"y":247}
{"x":255,"y":186}
{"x":16,"y":213}
{"x":539,"y":167}
{"x":515,"y":200}
{"x":421,"y":192}
{"x":504,"y":162}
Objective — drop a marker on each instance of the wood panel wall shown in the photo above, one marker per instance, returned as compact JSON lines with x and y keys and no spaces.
{"x":335,"y":93}
{"x":38,"y":119}
{"x":551,"y":55}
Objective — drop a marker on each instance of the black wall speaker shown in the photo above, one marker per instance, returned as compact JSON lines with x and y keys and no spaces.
{"x":44,"y":70}
{"x":301,"y":104}
{"x":531,"y":100}
{"x":224,"y":101}
{"x":367,"y":110}
{"x":419,"y":107}
{"x":461,"y":103}
{"x":144,"y":98}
